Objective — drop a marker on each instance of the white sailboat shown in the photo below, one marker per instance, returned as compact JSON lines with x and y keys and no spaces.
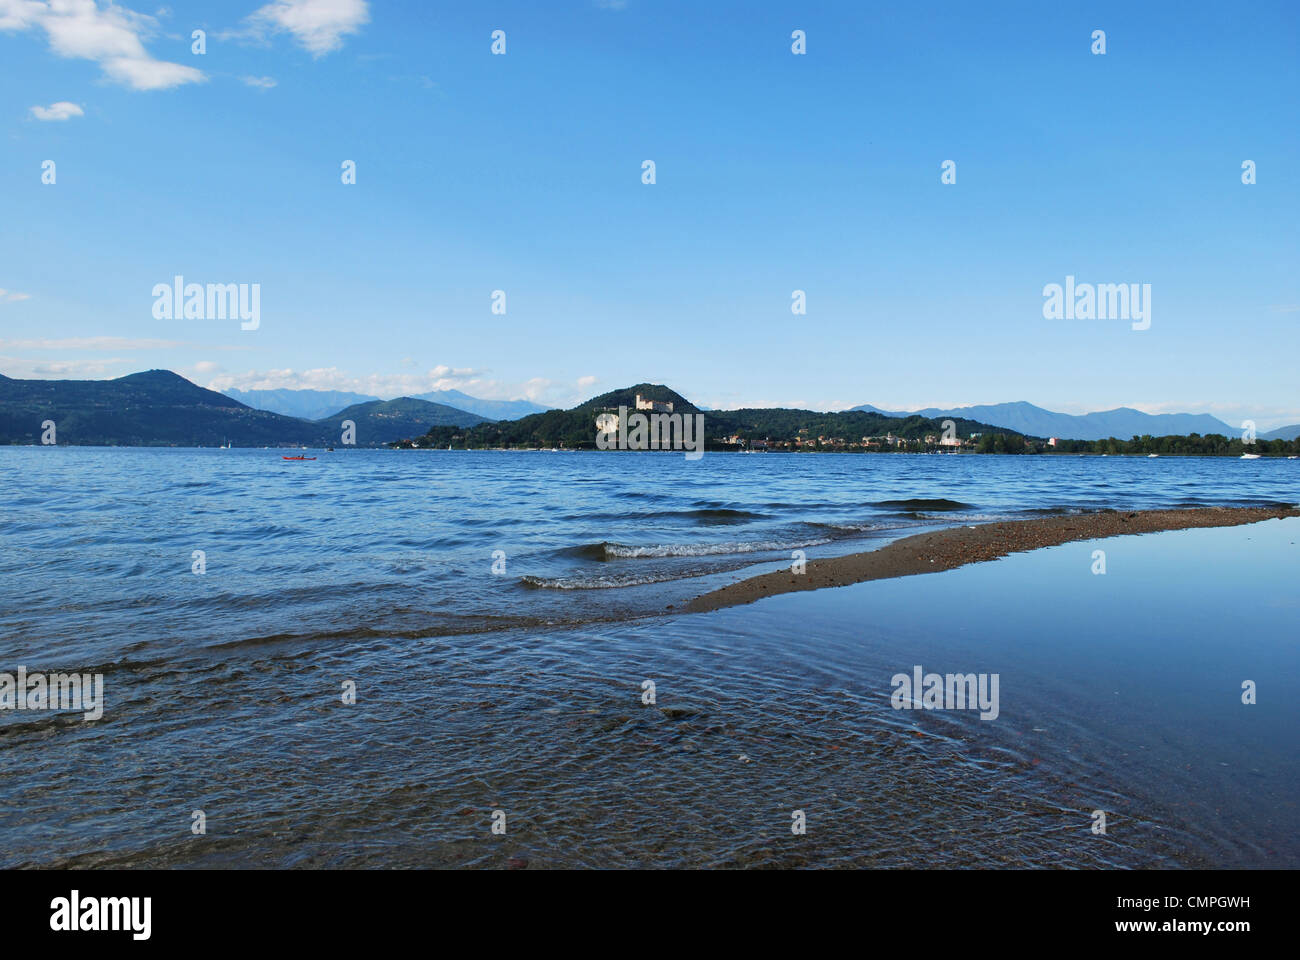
{"x":1250,"y":456}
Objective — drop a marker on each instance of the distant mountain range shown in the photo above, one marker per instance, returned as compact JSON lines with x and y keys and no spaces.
{"x":1121,"y":423}
{"x":306,"y":404}
{"x":491,"y":409}
{"x":1283,"y":433}
{"x":320,"y":404}
{"x":160,"y":408}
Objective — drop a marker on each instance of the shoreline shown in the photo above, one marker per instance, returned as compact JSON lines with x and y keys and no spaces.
{"x":954,"y":547}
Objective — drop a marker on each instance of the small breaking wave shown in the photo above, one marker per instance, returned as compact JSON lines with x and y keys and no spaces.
{"x":845,"y":527}
{"x":622,"y":551}
{"x":601,"y":582}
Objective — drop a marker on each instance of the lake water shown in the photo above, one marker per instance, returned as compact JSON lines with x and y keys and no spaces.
{"x":499,"y":612}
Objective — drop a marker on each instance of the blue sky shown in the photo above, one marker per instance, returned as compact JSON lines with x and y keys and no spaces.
{"x":775,"y":172}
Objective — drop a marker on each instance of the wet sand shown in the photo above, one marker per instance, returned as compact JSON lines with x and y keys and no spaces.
{"x":959,"y":546}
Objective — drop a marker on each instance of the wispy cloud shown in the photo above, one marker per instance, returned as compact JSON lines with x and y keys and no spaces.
{"x":109,"y":35}
{"x":7,"y":296}
{"x":1179,"y":406}
{"x":62,"y":369}
{"x":63,"y":110}
{"x":332,"y":378}
{"x":261,"y":83}
{"x":89,"y":343}
{"x":318,"y":26}
{"x":389,"y":385}
{"x":1275,"y":415}
{"x":422,"y":80}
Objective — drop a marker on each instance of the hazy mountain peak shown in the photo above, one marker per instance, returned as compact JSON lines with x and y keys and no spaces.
{"x":491,"y":409}
{"x":1121,"y":422}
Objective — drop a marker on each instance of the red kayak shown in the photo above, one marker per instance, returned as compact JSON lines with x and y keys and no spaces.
{"x":299,"y":458}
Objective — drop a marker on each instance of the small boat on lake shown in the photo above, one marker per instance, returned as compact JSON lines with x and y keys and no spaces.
{"x":1250,"y":456}
{"x":299,"y":458}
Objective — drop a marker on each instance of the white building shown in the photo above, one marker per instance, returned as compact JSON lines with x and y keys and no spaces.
{"x":654,"y":406}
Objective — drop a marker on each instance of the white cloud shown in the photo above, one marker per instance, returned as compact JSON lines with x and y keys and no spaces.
{"x":441,"y":371}
{"x":63,"y":370}
{"x":332,"y":378}
{"x":318,"y":25}
{"x":109,"y":35}
{"x":149,"y":74}
{"x":558,"y":394}
{"x":88,"y":343}
{"x":19,"y":14}
{"x":390,"y":385}
{"x":7,"y":297}
{"x":261,"y":83}
{"x":1266,"y":416}
{"x":537,"y":387}
{"x":1177,"y":406}
{"x":63,"y":110}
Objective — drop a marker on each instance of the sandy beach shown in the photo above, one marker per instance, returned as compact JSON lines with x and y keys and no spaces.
{"x":959,"y":546}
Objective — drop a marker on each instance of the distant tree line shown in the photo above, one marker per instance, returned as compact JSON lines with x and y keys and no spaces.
{"x":1191,"y":445}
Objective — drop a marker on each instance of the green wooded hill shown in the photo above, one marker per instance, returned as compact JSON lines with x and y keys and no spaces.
{"x":161,"y":408}
{"x":576,"y":427}
{"x":781,"y":422}
{"x":627,"y":398}
{"x":383,"y":421}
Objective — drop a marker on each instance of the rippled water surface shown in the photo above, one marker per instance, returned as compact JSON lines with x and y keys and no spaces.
{"x":513,"y":682}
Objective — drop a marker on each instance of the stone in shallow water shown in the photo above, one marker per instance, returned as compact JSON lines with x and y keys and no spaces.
{"x":678,"y":713}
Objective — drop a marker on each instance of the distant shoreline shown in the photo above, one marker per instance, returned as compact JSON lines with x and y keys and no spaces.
{"x":958,"y":546}
{"x":729,"y":451}
{"x":395,"y":447}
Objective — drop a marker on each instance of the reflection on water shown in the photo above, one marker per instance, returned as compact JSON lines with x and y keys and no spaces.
{"x":476,"y":692}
